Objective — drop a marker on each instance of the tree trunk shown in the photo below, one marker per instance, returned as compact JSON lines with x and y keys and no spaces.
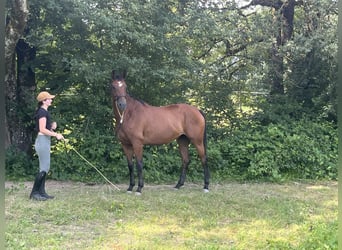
{"x":15,"y":26}
{"x":283,"y":13}
{"x":26,"y":86}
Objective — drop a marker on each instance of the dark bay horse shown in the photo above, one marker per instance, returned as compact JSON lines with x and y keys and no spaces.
{"x":139,"y":124}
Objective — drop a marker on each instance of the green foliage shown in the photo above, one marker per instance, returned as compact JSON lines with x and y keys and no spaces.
{"x":18,"y":164}
{"x":302,"y":149}
{"x":76,"y":159}
{"x":162,"y":164}
{"x":213,"y":55}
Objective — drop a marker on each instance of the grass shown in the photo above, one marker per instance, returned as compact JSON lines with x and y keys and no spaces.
{"x":231,"y":216}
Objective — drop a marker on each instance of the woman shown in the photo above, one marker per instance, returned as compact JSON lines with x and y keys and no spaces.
{"x":45,"y":128}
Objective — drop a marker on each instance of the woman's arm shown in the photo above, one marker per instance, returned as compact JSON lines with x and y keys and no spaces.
{"x":45,"y":131}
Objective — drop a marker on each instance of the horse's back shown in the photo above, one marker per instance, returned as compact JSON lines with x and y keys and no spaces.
{"x":166,"y":123}
{"x":187,"y":117}
{"x":181,"y":112}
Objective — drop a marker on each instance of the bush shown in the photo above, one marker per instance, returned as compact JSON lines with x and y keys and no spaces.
{"x":18,"y":164}
{"x":76,"y":159}
{"x":302,"y":149}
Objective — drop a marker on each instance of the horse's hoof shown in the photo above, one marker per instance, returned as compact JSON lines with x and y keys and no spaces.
{"x":138,"y":193}
{"x":206,"y":190}
{"x":129,"y":192}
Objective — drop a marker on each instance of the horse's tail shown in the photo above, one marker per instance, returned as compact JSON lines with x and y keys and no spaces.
{"x":204,"y":133}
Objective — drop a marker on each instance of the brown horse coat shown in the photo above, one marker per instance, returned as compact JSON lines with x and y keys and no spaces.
{"x":139,"y":124}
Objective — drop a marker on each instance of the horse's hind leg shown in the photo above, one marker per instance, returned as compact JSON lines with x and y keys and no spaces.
{"x":183,"y":143}
{"x":202,"y":155}
{"x":206,"y":175}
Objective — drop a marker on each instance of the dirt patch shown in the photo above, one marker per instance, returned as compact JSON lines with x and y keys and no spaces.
{"x":50,"y":183}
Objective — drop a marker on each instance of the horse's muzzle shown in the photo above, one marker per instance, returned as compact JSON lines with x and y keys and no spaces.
{"x":121,"y":103}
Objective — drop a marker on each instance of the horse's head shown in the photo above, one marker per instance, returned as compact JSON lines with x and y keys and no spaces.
{"x":119,"y":90}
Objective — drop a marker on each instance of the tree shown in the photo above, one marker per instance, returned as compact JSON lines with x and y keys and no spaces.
{"x":209,"y":53}
{"x":311,"y":57}
{"x":283,"y":14}
{"x":16,"y":20}
{"x":217,"y":55}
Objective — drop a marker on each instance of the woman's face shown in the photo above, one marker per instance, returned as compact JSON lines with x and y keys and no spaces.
{"x":47,"y":102}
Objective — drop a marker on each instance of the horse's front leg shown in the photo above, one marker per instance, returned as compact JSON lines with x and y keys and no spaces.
{"x":138,"y":151}
{"x":140,"y":176}
{"x":128,"y":150}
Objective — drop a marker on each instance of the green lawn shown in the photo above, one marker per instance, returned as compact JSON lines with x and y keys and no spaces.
{"x":231,"y":216}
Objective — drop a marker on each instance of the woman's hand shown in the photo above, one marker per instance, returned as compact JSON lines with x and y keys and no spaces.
{"x":53,"y":125}
{"x":59,"y":136}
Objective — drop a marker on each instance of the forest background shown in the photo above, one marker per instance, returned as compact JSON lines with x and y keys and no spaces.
{"x":263,"y":71}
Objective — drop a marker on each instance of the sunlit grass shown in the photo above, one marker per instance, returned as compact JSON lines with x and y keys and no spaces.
{"x":231,"y":216}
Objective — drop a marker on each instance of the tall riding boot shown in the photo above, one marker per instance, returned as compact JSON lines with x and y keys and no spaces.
{"x":42,"y":188}
{"x":35,"y":195}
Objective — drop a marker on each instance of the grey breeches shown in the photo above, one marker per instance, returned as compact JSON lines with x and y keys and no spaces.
{"x":42,"y":146}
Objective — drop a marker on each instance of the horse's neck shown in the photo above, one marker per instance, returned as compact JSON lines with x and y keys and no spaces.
{"x":133,"y":104}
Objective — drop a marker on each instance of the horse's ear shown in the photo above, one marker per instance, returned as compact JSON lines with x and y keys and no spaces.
{"x":124,"y":74}
{"x":113,"y":74}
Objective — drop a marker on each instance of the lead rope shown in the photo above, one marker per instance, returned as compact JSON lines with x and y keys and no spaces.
{"x":91,"y":165}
